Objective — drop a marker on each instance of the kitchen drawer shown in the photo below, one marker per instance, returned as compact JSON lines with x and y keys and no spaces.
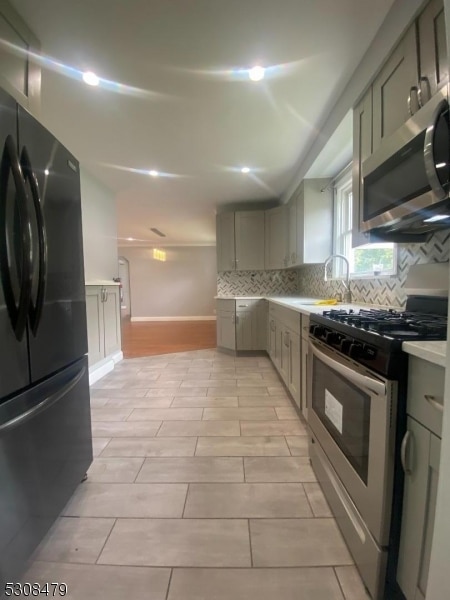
{"x":247,"y":304}
{"x":426,"y":380}
{"x":225,"y":305}
{"x":289,"y":317}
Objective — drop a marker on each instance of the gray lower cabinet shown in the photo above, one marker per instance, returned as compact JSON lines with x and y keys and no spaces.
{"x":419,"y":507}
{"x":103,"y":321}
{"x":241,"y":324}
{"x":421,"y":453}
{"x":226,"y":324}
{"x":251,"y":325}
{"x":284,"y":347}
{"x":294,"y":371}
{"x":304,"y":364}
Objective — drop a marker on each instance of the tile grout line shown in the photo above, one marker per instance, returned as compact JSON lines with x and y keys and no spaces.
{"x":185,"y":500}
{"x":170,"y":581}
{"x":250,"y":543}
{"x":106,"y":541}
{"x":338,"y":582}
{"x":139,"y":470}
{"x":308,"y":500}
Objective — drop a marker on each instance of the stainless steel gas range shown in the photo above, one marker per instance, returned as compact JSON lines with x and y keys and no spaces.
{"x":357,"y":418}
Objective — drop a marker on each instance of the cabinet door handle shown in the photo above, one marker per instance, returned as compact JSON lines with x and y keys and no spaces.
{"x":102,"y":294}
{"x":233,"y":319}
{"x":435,"y":403}
{"x":106,"y":295}
{"x":403,"y":449}
{"x":242,"y":305}
{"x":413,"y":90}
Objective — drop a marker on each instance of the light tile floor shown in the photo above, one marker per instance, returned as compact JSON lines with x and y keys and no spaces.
{"x":201,"y":488}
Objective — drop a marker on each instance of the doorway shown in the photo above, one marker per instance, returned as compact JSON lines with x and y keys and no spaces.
{"x":124,"y":274}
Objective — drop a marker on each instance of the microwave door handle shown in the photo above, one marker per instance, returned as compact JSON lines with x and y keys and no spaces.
{"x":360,"y":380}
{"x":428,"y":151}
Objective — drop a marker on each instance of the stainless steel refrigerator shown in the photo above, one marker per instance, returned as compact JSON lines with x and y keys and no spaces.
{"x":45,"y":429}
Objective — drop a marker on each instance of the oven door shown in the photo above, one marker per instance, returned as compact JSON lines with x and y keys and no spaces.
{"x":351,"y":412}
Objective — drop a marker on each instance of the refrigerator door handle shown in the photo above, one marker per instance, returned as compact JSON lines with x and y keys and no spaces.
{"x":44,"y":404}
{"x":35,"y":309}
{"x":17,"y":311}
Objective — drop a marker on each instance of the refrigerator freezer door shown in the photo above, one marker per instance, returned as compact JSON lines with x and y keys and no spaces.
{"x":59,"y":338}
{"x":14,"y":372}
{"x":45,"y":450}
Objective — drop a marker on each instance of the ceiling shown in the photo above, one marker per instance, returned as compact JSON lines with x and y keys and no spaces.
{"x":184,"y":106}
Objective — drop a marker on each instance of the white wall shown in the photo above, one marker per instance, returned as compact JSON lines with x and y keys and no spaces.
{"x":182,"y":286}
{"x":98,"y":207}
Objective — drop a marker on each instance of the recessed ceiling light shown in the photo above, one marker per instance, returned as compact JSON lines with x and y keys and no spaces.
{"x":153,"y":173}
{"x":130,"y":239}
{"x":256,"y":73}
{"x":245,"y":170}
{"x":90,"y":78}
{"x":47,"y":172}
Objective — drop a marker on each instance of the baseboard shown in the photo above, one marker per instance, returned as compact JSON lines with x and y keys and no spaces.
{"x":209,"y":318}
{"x":104,"y":367}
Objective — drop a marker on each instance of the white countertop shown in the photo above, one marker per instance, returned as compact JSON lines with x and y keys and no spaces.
{"x":303,"y":304}
{"x":434,"y":352}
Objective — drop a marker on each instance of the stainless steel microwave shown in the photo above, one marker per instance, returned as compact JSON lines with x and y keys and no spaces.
{"x":406,"y":181}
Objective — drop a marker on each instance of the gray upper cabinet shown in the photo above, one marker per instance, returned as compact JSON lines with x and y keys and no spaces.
{"x":395,"y":89}
{"x":240,"y":240}
{"x":226,"y":257}
{"x":18,"y":75}
{"x":292,"y":232}
{"x":249,"y":238}
{"x":276,"y":246}
{"x":362,"y":149}
{"x":432,"y":50}
{"x":314,"y":229}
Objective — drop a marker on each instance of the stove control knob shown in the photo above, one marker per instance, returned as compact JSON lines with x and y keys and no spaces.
{"x":332,"y":337}
{"x":345,"y":346}
{"x":317,"y":330}
{"x":356,"y":350}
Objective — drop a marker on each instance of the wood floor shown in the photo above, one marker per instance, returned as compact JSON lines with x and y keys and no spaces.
{"x":147,"y":339}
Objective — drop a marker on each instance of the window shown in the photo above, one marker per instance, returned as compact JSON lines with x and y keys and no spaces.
{"x":370,"y":260}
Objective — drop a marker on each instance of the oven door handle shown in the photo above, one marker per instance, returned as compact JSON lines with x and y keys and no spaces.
{"x":360,"y":380}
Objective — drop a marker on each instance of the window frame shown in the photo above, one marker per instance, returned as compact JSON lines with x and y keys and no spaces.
{"x":342,"y":238}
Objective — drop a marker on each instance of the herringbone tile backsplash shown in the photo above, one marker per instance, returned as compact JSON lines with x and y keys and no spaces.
{"x":308,"y":280}
{"x":386,"y":291}
{"x":257,"y":283}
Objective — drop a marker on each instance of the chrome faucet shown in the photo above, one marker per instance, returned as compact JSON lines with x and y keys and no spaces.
{"x":347,"y":294}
